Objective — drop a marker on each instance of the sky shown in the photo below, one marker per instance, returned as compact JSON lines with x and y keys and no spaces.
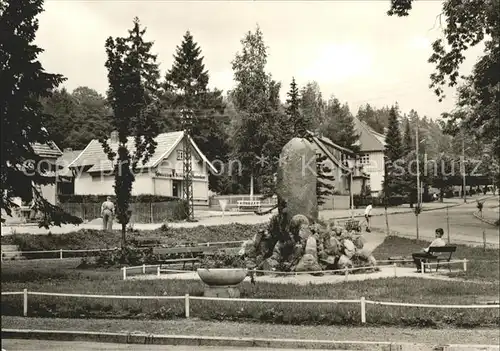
{"x":352,"y":49}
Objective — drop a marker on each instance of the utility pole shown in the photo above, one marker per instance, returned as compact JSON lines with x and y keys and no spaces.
{"x":463,"y":170}
{"x":417,"y":210}
{"x":187,"y":121}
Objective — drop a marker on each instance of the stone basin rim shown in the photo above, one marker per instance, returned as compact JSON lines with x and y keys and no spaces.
{"x":222,"y":276}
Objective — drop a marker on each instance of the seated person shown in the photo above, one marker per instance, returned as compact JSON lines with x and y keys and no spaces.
{"x":422,"y":256}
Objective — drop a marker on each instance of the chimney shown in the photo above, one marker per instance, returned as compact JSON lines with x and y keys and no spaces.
{"x":114,"y":137}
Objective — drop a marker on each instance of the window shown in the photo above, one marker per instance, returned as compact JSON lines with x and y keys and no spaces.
{"x":180,"y":155}
{"x":364,"y":159}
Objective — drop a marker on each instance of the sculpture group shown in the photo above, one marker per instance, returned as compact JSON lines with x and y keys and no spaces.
{"x":295,"y":240}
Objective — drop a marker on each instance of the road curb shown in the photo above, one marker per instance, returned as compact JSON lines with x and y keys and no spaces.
{"x":195,"y":340}
{"x":475,"y":214}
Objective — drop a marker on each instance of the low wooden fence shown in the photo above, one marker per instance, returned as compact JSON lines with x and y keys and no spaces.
{"x":154,"y":212}
{"x":232,"y":201}
{"x":361,"y":302}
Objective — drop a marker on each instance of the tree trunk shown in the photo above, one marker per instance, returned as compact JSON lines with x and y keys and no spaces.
{"x":124,"y":239}
{"x":386,"y":221}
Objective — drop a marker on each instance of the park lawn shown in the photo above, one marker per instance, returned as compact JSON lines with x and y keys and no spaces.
{"x":63,"y":276}
{"x":483,"y":264}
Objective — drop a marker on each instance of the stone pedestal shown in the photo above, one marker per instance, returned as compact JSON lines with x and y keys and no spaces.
{"x":222,"y":291}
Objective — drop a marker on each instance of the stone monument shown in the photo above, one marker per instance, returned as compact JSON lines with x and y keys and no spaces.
{"x":296,"y":181}
{"x":295,"y":240}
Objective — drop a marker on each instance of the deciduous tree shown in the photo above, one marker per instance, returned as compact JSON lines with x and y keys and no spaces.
{"x":23,"y":83}
{"x":256,"y":101}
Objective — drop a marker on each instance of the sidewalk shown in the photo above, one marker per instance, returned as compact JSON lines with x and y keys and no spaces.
{"x":211,"y":218}
{"x":196,"y":329}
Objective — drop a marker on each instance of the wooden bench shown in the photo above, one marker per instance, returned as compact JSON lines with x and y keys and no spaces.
{"x":192,"y":250}
{"x":249,"y":205}
{"x":440,"y":254}
{"x":191,"y":260}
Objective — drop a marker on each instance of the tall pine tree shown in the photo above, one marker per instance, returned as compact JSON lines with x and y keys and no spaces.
{"x":393,"y":153}
{"x":408,"y":178}
{"x":133,"y":94}
{"x":186,"y":87}
{"x":23,"y":83}
{"x":312,"y":106}
{"x":407,"y":138}
{"x":297,"y":123}
{"x":339,"y":125}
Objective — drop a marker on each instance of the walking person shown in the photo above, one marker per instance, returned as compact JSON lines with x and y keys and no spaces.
{"x":368,"y":214}
{"x":107,"y":214}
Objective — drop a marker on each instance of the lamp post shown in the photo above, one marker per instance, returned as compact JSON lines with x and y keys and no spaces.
{"x":417,"y":210}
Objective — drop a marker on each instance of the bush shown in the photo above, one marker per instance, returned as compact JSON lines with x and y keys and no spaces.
{"x":362,"y":201}
{"x":96,"y":239}
{"x":101,"y":198}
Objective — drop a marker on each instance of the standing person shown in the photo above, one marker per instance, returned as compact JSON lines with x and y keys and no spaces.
{"x":368,"y":214}
{"x":107,"y":214}
{"x":424,"y":254}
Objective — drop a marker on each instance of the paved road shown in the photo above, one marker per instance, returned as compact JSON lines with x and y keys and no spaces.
{"x":42,"y":345}
{"x":248,"y":218}
{"x":464,"y":227}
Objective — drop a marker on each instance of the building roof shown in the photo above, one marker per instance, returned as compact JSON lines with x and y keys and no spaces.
{"x":65,"y":160}
{"x":95,"y":157}
{"x":323,"y":142}
{"x":320,"y":144}
{"x":47,"y":150}
{"x":329,"y":142}
{"x":369,"y":139}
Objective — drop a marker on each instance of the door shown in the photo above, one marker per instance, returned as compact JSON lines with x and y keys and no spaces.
{"x":176,"y":188}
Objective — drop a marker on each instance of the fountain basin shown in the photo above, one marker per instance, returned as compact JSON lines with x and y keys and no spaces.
{"x":222,"y":276}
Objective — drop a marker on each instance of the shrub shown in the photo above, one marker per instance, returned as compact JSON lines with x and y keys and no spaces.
{"x":101,"y":198}
{"x":362,"y":201}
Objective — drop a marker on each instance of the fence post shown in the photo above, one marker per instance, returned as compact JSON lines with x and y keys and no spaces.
{"x":422,"y":267}
{"x":143,"y":268}
{"x":151,"y":211}
{"x":186,"y":305}
{"x":484,"y":240}
{"x":61,"y":254}
{"x":395,"y":269}
{"x":346,"y":273}
{"x":124,"y":273}
{"x":25,"y":302}
{"x":465,"y":265}
{"x":1,"y":257}
{"x":158,"y":271}
{"x":363,"y":310}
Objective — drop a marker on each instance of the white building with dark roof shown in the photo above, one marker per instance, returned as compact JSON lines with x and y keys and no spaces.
{"x":371,"y":157}
{"x":162,"y":175}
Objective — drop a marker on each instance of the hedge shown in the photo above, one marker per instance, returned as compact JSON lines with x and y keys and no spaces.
{"x":379,"y":201}
{"x":101,"y":198}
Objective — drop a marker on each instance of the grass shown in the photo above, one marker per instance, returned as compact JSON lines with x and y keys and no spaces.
{"x":62,"y":276}
{"x":483,"y":264}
